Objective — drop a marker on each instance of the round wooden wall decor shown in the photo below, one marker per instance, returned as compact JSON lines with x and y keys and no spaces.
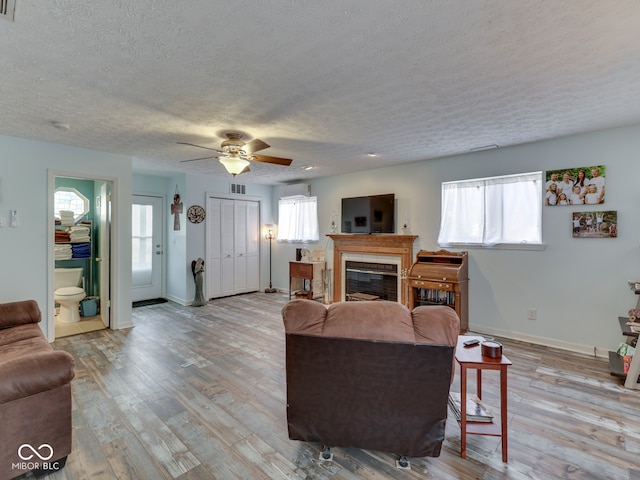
{"x":195,"y":214}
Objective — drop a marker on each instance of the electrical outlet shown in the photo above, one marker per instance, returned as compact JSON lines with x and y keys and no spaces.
{"x":532,"y":313}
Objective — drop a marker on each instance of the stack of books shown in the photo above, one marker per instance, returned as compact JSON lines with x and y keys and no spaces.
{"x":476,"y":411}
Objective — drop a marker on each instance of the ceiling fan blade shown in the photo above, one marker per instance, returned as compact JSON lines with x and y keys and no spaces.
{"x":194,"y":159}
{"x":268,"y":159}
{"x":199,"y":146}
{"x":246,"y":169}
{"x":255,"y":146}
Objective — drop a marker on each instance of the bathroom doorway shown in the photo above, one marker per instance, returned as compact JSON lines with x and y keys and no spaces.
{"x":82,"y":255}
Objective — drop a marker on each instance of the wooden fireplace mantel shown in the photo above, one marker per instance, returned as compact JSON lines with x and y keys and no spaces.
{"x":390,"y":245}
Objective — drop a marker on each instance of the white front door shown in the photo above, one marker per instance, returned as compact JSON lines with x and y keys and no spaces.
{"x":147,"y":250}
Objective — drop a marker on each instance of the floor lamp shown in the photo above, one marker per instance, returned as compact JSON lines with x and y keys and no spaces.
{"x":269,"y":236}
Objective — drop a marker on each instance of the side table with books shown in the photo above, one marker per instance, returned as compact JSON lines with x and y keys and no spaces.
{"x":479,"y":421}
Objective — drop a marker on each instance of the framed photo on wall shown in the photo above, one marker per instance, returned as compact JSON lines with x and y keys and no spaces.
{"x":599,"y":224}
{"x":575,"y":186}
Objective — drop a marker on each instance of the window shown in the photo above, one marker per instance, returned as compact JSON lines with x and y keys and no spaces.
{"x":492,"y":211}
{"x":67,"y":198}
{"x":298,"y":219}
{"x":142,"y":244}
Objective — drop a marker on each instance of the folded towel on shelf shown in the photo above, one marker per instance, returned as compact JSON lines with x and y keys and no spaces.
{"x":66,"y":218}
{"x":62,"y":252}
{"x":79,"y":236}
{"x":62,"y":237}
{"x":86,"y":231}
{"x":81,"y":250}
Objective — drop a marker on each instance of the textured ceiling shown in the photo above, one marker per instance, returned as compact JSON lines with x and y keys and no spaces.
{"x":322,"y":82}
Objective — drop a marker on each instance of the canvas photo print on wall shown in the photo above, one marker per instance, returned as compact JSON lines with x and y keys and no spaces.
{"x":575,"y":186}
{"x":595,"y":224}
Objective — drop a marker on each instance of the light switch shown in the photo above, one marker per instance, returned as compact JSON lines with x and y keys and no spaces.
{"x":14,"y":218}
{"x":3,"y":221}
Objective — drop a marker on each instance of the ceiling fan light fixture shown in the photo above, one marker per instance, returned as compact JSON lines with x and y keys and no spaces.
{"x":234,"y":165}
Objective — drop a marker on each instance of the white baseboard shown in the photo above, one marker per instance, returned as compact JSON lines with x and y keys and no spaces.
{"x":599,"y":352}
{"x":181,"y":301}
{"x":122,"y":326}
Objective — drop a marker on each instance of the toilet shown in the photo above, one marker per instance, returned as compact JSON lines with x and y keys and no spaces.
{"x":68,"y":293}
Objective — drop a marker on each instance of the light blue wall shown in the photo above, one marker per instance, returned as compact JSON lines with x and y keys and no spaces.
{"x":578,"y":286}
{"x":197,"y":189}
{"x":24,"y":185}
{"x":187,"y":244}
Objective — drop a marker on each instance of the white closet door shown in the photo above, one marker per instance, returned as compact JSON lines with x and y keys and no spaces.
{"x":240,"y":246}
{"x":253,"y":246}
{"x":227,"y":227}
{"x":213,"y":266}
{"x":233,"y":247}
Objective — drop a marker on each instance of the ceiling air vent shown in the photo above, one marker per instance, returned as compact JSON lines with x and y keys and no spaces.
{"x":7,"y":9}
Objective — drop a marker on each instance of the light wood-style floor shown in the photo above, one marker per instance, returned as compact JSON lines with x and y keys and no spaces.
{"x":199,"y":393}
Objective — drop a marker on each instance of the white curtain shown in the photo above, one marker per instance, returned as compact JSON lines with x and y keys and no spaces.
{"x":491,"y":211}
{"x":298,"y":219}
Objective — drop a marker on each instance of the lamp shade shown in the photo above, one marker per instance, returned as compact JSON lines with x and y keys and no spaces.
{"x":234,"y":165}
{"x":269,"y":231}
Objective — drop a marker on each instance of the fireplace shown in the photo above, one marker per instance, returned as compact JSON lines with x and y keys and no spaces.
{"x":394,"y":250}
{"x":377,"y":279}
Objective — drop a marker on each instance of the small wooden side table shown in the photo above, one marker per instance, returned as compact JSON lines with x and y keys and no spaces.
{"x":471,"y":358}
{"x":311,"y":271}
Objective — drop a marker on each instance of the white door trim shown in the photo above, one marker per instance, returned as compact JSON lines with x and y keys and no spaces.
{"x":163,"y":236}
{"x":223,"y":196}
{"x":48,"y":310}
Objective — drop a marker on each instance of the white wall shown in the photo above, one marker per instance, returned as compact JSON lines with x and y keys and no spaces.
{"x":578,"y":286}
{"x":24,"y":260}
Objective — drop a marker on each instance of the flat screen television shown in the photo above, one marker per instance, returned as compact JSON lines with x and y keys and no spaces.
{"x":370,"y":214}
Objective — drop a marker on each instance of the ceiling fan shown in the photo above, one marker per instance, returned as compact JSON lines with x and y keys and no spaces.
{"x":236,"y":154}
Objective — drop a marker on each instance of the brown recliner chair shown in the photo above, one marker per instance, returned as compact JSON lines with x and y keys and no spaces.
{"x":35,"y":394}
{"x":369,"y":375}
